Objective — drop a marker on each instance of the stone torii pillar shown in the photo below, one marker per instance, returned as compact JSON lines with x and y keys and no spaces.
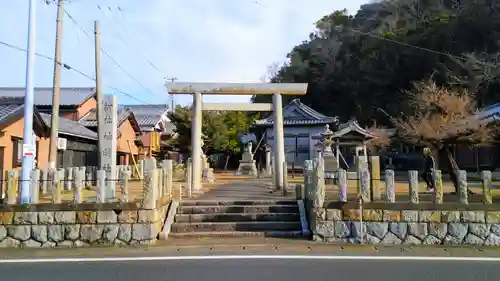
{"x":275,"y":89}
{"x":279,"y":141}
{"x":196,"y":151}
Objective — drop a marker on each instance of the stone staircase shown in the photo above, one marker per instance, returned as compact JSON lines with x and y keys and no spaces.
{"x":272,"y":218}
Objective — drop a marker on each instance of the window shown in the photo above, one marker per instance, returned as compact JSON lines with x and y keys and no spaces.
{"x":17,"y":152}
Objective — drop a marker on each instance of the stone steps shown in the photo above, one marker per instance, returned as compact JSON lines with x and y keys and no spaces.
{"x":222,"y":234}
{"x":239,"y":203}
{"x":203,"y":209}
{"x":236,"y":226}
{"x":240,"y":218}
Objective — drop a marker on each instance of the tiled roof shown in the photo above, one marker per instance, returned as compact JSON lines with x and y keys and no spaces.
{"x":297,"y":113}
{"x":70,"y":127}
{"x":351,"y":126}
{"x":43,"y":95}
{"x":170,"y":129}
{"x":149,"y":117}
{"x":147,"y":109}
{"x":489,"y":113}
{"x":10,"y":107}
{"x":89,"y":120}
{"x":147,"y":121}
{"x":13,"y":107}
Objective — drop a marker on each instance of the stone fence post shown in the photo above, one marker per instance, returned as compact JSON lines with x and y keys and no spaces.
{"x":390,"y":192}
{"x":375,"y":178}
{"x":438,"y":186}
{"x":342,"y":180}
{"x":413,"y":186}
{"x":57,"y":186}
{"x":169,"y":168}
{"x":124,"y":179}
{"x":79,"y":177}
{"x":11,"y":187}
{"x":486,"y":187}
{"x":285,"y":179}
{"x":462,"y":187}
{"x":101,"y":186}
{"x":44,"y":177}
{"x":150,"y":189}
{"x":68,"y":183}
{"x":319,"y":182}
{"x":308,"y":172}
{"x":35,"y":188}
{"x":365,"y":184}
{"x":161,"y":182}
{"x":189,"y":175}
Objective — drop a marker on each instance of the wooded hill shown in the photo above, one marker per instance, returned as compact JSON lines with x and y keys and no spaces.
{"x":358,"y":64}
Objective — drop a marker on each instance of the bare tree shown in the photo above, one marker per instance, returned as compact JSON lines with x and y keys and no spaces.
{"x":271,"y":72}
{"x":443,"y":117}
{"x":381,"y":140}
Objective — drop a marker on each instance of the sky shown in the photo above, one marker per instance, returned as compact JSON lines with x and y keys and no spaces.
{"x":191,"y":40}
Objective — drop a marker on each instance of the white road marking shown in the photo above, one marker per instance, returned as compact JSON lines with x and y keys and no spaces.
{"x":252,"y":257}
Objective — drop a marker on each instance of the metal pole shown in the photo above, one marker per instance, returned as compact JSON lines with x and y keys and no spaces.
{"x":27,"y":162}
{"x":54,"y":124}
{"x":98,"y":90}
{"x":279,"y":141}
{"x":196,"y":141}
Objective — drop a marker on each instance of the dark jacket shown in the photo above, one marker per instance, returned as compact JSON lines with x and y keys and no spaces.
{"x":429,"y":164}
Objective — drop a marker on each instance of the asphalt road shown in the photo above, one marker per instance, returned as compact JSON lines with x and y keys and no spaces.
{"x":253,"y":270}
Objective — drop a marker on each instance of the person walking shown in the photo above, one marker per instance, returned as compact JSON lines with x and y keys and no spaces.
{"x":429,"y":166}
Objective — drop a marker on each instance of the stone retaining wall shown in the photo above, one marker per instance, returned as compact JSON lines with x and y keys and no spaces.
{"x":76,"y":225}
{"x":376,"y":225}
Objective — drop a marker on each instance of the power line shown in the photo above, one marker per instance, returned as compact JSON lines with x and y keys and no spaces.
{"x":67,"y":66}
{"x":122,"y":28}
{"x":415,"y":47}
{"x":108,"y":55}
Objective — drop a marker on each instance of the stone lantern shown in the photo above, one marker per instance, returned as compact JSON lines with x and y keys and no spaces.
{"x":326,"y":152}
{"x":327,"y":140}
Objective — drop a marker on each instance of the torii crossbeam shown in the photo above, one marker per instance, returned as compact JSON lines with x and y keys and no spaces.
{"x":275,"y":89}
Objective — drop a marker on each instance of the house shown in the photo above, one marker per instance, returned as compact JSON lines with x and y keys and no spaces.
{"x":79,"y":143}
{"x":80,"y":148}
{"x":12,"y":132}
{"x":154,"y":124}
{"x":128,"y":128}
{"x":74,"y":102}
{"x":301,"y":126}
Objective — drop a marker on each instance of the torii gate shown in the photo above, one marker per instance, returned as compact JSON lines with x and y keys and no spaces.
{"x":275,"y":89}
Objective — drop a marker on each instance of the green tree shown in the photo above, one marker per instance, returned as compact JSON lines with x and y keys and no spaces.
{"x":221,"y":130}
{"x":356,"y":64}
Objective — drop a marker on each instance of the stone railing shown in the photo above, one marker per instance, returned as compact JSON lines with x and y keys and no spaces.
{"x":74,"y":223}
{"x":388,"y":221}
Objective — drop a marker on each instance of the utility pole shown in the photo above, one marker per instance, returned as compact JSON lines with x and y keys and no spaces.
{"x":98,"y":87}
{"x":28,"y":140}
{"x":172,"y":79}
{"x":54,"y":124}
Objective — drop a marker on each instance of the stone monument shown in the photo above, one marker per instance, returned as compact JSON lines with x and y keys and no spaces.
{"x":330,"y":160}
{"x":247,"y":163}
{"x":207,"y":172}
{"x":268,"y":168}
{"x":107,"y":142}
